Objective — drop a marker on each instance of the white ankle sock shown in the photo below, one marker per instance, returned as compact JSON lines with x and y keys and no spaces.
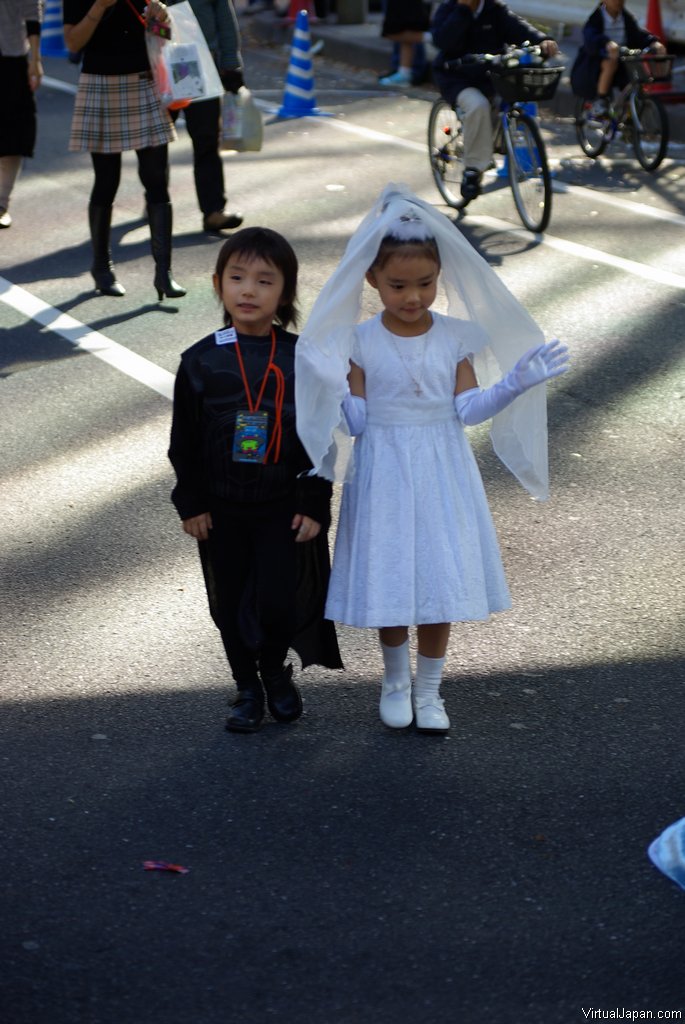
{"x":396,"y":663}
{"x":428,"y":676}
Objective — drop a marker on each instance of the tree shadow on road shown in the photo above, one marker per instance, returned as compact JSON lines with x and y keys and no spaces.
{"x":340,"y":871}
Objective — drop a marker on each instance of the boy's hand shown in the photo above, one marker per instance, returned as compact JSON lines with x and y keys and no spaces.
{"x":198,"y":526}
{"x":307,"y":529}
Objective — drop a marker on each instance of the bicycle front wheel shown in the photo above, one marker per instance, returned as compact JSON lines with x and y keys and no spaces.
{"x":650,"y":131}
{"x":446,"y":153}
{"x":528,"y":171}
{"x":593,"y":133}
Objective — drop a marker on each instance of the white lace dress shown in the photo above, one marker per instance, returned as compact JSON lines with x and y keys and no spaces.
{"x":415,"y":542}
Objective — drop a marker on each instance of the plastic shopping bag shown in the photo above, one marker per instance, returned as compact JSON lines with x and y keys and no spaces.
{"x":667,"y":852}
{"x":241,"y":122}
{"x":182,"y":65}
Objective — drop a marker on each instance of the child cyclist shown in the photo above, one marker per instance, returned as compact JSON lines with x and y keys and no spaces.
{"x":244,"y":490}
{"x":416,"y":544}
{"x":596,"y":69}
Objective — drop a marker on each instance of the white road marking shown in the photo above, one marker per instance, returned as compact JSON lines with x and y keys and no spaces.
{"x":82,"y":337}
{"x":586,"y":252}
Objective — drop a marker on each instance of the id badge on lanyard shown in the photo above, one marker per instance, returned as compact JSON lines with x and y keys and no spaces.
{"x":251,"y":436}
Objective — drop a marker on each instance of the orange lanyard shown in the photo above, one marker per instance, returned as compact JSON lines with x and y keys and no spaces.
{"x":271,"y":367}
{"x":137,"y":13}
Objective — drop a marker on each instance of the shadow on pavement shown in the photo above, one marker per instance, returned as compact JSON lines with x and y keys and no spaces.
{"x":340,"y":872}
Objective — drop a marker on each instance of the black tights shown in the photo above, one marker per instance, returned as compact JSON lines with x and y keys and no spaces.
{"x":153,"y":171}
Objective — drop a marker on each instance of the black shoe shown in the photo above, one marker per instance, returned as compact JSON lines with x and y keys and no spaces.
{"x":220,"y":221}
{"x":470,"y":184}
{"x":107,"y":284}
{"x":282,"y":696}
{"x":247,"y":711}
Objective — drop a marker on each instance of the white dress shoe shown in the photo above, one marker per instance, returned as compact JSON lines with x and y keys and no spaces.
{"x":430,"y":715}
{"x":395,"y":706}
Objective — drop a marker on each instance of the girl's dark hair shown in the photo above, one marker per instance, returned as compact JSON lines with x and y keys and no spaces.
{"x":392,"y":246}
{"x":268,"y":245}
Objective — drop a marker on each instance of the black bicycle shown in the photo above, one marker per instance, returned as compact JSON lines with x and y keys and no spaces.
{"x":637,"y":115}
{"x":520,"y":78}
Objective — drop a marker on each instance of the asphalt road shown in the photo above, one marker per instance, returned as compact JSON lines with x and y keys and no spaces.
{"x":339,"y":873}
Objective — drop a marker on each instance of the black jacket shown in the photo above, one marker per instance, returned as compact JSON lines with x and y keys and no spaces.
{"x":209,"y":392}
{"x":456,"y":32}
{"x":586,"y":67}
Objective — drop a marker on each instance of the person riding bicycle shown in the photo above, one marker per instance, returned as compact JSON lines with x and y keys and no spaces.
{"x":596,"y":68}
{"x":461,"y":27}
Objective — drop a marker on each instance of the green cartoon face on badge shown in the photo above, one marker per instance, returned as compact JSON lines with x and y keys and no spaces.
{"x":249,"y":442}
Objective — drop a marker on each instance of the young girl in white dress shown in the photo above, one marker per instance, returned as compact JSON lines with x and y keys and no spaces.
{"x":416,"y":545}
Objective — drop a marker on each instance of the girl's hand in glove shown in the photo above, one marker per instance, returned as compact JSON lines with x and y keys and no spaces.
{"x":538,"y":364}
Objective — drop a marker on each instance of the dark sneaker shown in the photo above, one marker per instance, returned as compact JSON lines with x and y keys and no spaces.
{"x":470,"y":184}
{"x":247,"y":710}
{"x":282,"y":696}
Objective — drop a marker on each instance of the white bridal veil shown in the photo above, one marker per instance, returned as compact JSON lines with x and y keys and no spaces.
{"x":474,"y":292}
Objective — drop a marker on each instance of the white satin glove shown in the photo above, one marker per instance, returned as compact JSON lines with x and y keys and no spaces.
{"x":354,"y":409}
{"x":538,"y":364}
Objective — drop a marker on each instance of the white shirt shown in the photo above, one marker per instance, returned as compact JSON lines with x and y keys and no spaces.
{"x":615,"y":28}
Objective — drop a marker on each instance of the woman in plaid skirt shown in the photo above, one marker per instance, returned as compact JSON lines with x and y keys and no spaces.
{"x":117,"y":109}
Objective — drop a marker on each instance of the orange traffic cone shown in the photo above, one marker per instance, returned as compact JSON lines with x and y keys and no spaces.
{"x":298,"y":5}
{"x":653,"y":22}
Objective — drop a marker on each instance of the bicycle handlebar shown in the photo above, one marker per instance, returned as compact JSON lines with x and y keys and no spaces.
{"x":626,"y":54}
{"x":511,"y":53}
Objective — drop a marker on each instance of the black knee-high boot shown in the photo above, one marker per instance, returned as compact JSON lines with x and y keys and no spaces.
{"x":100,"y":221}
{"x":159,"y":217}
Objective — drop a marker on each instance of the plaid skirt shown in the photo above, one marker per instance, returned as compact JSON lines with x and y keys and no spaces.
{"x":113,"y":113}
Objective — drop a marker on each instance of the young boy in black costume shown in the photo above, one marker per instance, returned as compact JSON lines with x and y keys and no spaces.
{"x":244,"y":491}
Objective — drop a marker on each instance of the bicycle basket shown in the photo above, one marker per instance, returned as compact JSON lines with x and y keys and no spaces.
{"x":525,"y":83}
{"x":649,"y":67}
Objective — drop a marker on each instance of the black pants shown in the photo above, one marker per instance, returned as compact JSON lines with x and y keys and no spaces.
{"x":249,"y":563}
{"x":203,"y":121}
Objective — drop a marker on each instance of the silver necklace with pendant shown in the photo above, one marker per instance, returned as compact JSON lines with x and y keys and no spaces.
{"x":417,"y":381}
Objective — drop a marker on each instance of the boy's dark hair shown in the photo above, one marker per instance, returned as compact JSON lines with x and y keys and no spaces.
{"x":265,"y":244}
{"x":392,"y":246}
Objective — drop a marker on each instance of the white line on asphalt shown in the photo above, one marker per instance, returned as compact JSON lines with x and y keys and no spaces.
{"x":641,"y":209}
{"x":87,"y":340}
{"x":585,"y":252}
{"x":55,"y":83}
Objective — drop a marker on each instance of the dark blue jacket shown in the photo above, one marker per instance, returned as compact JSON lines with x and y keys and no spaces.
{"x":585,"y":70}
{"x":457,"y":32}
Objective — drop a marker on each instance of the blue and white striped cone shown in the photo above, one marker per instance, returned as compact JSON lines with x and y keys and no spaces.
{"x":51,"y":33}
{"x":299,"y":99}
